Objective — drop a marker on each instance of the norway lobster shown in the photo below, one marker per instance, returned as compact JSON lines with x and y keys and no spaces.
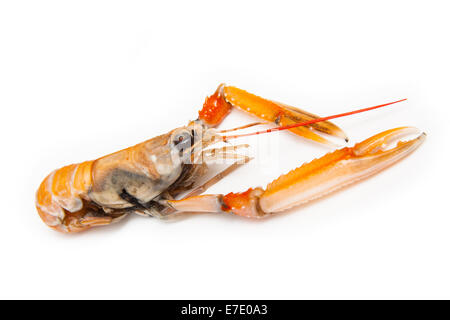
{"x":153,"y":177}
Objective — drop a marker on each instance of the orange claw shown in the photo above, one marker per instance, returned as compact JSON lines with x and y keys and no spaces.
{"x":312,"y":180}
{"x":218,"y":106}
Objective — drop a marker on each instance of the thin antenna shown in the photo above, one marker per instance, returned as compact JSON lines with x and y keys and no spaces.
{"x":306,"y":123}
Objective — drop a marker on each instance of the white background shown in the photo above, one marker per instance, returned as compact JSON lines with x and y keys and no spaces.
{"x":81,"y":79}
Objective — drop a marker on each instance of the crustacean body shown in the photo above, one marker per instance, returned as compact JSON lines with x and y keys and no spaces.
{"x":153,"y":177}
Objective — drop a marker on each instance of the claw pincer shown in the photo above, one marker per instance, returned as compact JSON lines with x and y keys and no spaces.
{"x":219,"y":105}
{"x":314,"y":179}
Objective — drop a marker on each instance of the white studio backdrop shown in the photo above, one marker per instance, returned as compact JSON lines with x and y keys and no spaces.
{"x":82,"y":79}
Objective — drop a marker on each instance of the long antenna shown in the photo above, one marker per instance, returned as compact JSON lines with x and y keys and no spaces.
{"x":306,"y":123}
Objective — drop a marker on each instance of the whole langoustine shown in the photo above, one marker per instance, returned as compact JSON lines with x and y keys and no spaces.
{"x":153,"y":177}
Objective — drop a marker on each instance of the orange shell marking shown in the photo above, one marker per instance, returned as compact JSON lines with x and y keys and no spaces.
{"x":61,"y":193}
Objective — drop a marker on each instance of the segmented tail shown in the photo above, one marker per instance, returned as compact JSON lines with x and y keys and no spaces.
{"x":60,"y":197}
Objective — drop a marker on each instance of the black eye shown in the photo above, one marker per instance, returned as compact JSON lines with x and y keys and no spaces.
{"x":183,"y":141}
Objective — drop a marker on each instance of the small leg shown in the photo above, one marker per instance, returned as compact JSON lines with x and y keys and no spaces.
{"x":219,"y":105}
{"x":93,"y":221}
{"x":87,"y":218}
{"x":150,"y":209}
{"x":311,"y":180}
